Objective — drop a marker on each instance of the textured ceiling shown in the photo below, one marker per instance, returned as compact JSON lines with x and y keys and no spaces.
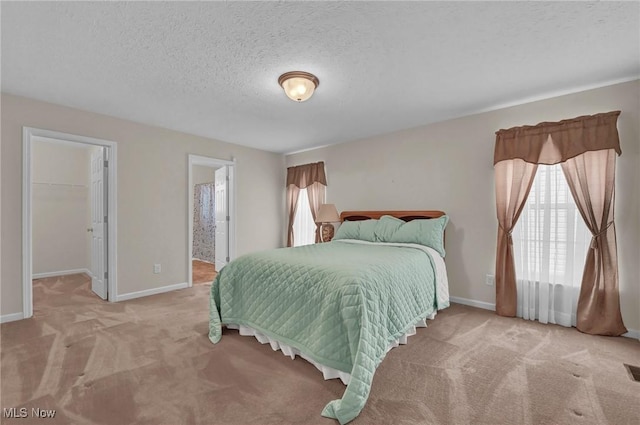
{"x":211,"y":69}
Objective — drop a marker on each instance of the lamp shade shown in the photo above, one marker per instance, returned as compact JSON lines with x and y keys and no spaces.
{"x":327,"y":214}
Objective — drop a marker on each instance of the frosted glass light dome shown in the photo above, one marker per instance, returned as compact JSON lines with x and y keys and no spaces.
{"x":298,"y":85}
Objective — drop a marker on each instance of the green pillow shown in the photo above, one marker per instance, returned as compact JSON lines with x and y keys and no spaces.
{"x":368,"y":230}
{"x":429,"y":232}
{"x":348,"y":230}
{"x":386,"y":227}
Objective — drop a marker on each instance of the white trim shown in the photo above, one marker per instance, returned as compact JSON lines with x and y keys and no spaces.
{"x":473,"y":303}
{"x":12,"y":317}
{"x":214,"y":163}
{"x":632,"y":333}
{"x":60,"y":273}
{"x":27,"y":278}
{"x":152,"y":291}
{"x":28,"y":134}
{"x":232,"y":209}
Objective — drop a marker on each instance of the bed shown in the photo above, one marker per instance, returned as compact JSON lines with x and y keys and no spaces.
{"x":341,"y":305}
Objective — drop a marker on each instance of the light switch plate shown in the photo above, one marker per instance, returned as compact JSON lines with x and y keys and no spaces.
{"x":157,"y":268}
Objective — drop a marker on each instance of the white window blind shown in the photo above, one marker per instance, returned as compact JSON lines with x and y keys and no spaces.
{"x":550,"y":244}
{"x":304,"y":228}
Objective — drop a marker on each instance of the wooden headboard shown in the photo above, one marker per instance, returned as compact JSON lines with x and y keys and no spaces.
{"x":403,"y":215}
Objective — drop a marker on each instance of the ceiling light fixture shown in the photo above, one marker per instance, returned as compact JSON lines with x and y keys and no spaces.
{"x":298,"y":85}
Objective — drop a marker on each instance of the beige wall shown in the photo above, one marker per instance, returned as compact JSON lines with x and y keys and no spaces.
{"x":60,"y":207}
{"x":152,"y":193}
{"x":202,"y":174}
{"x":449,"y":166}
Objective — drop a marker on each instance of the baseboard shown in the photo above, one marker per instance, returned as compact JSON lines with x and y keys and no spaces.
{"x":632,"y":333}
{"x":11,"y":317}
{"x":473,"y":303}
{"x":153,"y":291}
{"x":60,"y":273}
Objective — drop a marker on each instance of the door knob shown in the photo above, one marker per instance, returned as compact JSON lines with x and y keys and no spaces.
{"x":90,"y":229}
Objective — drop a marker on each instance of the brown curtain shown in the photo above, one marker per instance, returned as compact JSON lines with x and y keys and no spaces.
{"x":513,"y":179}
{"x":307,"y":174}
{"x":584,"y":146}
{"x":292,"y":202}
{"x":316,"y":193}
{"x":311,"y":177}
{"x":554,"y":142}
{"x":591,"y":178}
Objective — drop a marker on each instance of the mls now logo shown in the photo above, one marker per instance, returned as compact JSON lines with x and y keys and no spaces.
{"x":36,"y":412}
{"x":14,"y":412}
{"x":23,"y":412}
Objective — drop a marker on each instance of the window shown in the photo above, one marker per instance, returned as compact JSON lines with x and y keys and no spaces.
{"x":550,"y":238}
{"x":550,"y":242}
{"x":304,"y":228}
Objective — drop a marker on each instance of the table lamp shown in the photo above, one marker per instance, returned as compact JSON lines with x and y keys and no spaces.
{"x":327,"y":213}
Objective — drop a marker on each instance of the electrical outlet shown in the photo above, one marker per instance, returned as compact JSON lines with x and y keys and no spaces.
{"x":156,"y":268}
{"x":490,"y":279}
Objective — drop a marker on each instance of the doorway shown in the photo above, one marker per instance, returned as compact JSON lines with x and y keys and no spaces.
{"x":69,"y":212}
{"x":211,"y":222}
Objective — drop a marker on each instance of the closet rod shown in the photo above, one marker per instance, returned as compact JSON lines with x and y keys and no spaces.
{"x":60,"y":184}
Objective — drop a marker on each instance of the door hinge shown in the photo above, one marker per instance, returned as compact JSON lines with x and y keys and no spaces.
{"x":106,"y":163}
{"x":228,"y":259}
{"x":226,"y":178}
{"x":228,"y":218}
{"x":106,"y":275}
{"x":106,"y":219}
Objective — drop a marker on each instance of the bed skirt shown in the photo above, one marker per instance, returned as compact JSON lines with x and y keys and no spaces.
{"x":327,"y":372}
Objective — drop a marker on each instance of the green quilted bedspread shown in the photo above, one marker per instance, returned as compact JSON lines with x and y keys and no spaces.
{"x":340,"y":303}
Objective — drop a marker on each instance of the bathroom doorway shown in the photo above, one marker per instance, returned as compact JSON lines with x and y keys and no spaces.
{"x":210,"y":217}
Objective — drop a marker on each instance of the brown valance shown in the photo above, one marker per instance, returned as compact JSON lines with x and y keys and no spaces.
{"x":555,"y":142}
{"x":306,"y":175}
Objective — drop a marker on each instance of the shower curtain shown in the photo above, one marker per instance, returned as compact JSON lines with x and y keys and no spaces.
{"x":204,"y":223}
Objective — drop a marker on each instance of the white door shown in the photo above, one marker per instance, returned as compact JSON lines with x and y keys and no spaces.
{"x":98,"y":227}
{"x":222,"y":217}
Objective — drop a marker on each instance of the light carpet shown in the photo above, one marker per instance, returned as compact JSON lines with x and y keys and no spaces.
{"x":148,"y":361}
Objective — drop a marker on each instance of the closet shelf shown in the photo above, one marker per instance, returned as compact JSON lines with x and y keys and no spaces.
{"x":60,"y":184}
